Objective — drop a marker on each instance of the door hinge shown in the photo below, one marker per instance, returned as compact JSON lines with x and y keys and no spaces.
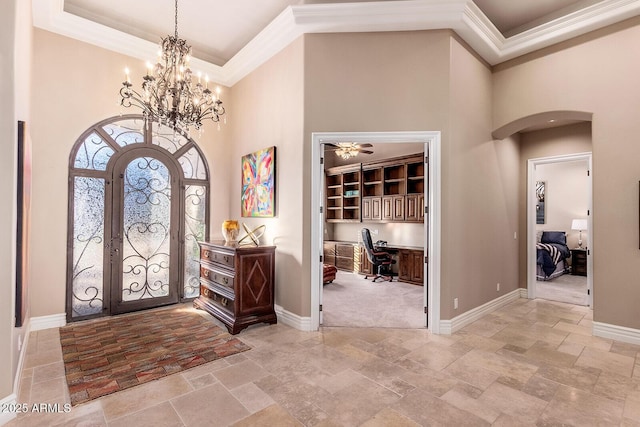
{"x":426,"y":159}
{"x":588,"y":172}
{"x":322,"y":160}
{"x":588,"y":253}
{"x":320,"y":258}
{"x":321,"y":209}
{"x":426,"y":259}
{"x":425,"y":310}
{"x":588,"y":291}
{"x":426,"y":210}
{"x":320,"y":307}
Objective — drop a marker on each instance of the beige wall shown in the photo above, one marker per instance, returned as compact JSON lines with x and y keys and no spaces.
{"x":479,"y":209}
{"x":8,"y":136}
{"x":76,"y":85}
{"x":428,"y":81}
{"x":268,"y":110}
{"x":15,"y":67}
{"x":593,"y":74}
{"x":372,"y":82}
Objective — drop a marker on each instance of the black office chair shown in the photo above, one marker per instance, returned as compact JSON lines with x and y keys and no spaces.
{"x":381,"y":260}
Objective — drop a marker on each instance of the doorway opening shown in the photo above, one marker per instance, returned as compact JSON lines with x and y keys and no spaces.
{"x":138,"y":205}
{"x":430,"y":144}
{"x":559,"y":200}
{"x":380,"y":190}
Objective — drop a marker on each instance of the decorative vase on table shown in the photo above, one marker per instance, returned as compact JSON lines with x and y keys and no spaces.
{"x":230,"y":230}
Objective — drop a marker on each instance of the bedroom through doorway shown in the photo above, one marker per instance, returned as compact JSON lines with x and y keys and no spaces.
{"x":559,"y":225}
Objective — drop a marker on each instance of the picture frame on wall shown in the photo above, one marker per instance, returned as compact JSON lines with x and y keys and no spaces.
{"x":23,"y":225}
{"x":258,"y":198}
{"x":540,"y":199}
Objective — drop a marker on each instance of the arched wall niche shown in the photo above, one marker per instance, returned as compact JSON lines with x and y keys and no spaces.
{"x":540,"y":121}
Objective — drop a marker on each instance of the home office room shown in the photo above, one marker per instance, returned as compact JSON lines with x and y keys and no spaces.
{"x":373,"y":235}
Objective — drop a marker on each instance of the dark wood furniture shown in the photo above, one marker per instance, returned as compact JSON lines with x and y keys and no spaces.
{"x":353,"y":259}
{"x":391,"y":190}
{"x":579,"y":262}
{"x":237,"y":284}
{"x":411,"y":266}
{"x":343,"y":194}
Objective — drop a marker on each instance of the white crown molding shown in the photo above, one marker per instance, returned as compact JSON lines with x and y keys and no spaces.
{"x":462,"y":16}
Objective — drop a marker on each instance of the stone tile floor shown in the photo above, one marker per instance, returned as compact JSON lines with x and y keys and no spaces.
{"x":532,"y":362}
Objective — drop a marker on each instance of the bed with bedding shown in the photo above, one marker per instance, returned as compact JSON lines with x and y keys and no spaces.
{"x":552,"y":253}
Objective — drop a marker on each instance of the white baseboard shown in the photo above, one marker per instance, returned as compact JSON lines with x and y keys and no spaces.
{"x":447,"y":327}
{"x":524,"y":292}
{"x":5,"y":417}
{"x":615,"y":332}
{"x":23,"y":354}
{"x":290,"y":319}
{"x":48,"y":322}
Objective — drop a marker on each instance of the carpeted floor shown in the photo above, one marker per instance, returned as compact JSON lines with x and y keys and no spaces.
{"x":566,"y":288}
{"x":355,"y":302}
{"x":112,"y":354}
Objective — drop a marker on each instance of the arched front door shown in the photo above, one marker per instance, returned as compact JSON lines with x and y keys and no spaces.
{"x":144,"y":231}
{"x":137,"y":207}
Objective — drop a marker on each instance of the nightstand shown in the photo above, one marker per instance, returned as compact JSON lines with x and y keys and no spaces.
{"x":579,"y":262}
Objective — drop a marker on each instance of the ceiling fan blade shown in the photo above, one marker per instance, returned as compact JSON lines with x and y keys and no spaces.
{"x":366,"y":151}
{"x":365,"y":145}
{"x":329,"y":146}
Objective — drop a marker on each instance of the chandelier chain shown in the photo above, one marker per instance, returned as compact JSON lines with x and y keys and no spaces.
{"x":176,"y":17}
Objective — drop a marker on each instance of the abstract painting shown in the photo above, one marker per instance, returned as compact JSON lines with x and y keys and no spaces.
{"x":259,"y":183}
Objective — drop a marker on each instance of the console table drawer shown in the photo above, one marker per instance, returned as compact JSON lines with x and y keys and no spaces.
{"x":218,"y":300}
{"x":217,"y":257}
{"x":216,"y":276}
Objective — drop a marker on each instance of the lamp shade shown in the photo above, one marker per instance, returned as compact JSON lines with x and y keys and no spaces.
{"x":579,"y":224}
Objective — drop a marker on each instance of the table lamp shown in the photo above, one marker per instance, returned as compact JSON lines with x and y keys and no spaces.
{"x":579,"y":224}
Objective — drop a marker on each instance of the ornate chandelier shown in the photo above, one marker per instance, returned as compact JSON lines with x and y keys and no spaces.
{"x":169,"y":95}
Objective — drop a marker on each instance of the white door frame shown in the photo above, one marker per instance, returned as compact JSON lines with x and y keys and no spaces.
{"x":431,"y":141}
{"x":531,"y":218}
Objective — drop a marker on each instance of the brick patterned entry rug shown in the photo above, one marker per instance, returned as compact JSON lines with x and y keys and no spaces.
{"x":112,"y":354}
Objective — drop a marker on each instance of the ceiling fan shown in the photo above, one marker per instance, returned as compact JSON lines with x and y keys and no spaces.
{"x":346,"y":150}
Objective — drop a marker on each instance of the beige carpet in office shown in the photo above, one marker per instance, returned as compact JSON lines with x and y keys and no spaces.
{"x":352,"y":301}
{"x":566,"y":288}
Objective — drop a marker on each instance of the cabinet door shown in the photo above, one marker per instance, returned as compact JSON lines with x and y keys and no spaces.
{"x":412,"y":211}
{"x":398,"y":208}
{"x":365,"y":265}
{"x":329,"y":253}
{"x":404,"y":265}
{"x":417,"y":266}
{"x":387,"y":208}
{"x":372,"y":208}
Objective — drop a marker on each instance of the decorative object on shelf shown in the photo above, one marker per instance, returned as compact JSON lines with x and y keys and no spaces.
{"x":347,"y":150}
{"x":259,"y":184}
{"x":170,"y":94}
{"x":579,"y":224}
{"x":230,"y":230}
{"x":540,"y":190}
{"x":254,"y":234}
